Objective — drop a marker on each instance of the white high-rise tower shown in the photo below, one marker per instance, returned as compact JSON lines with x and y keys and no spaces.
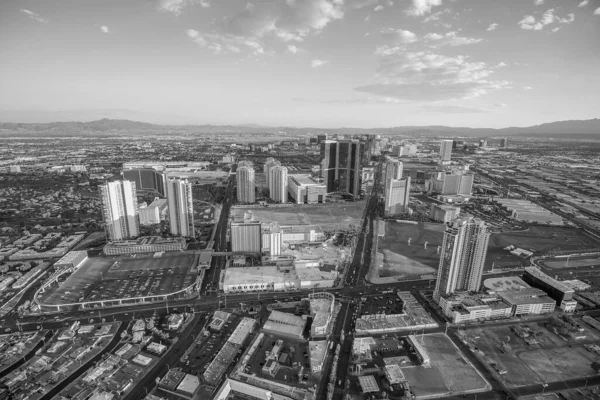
{"x":120,"y":209}
{"x":181,"y":207}
{"x":278,"y":183}
{"x":245,"y":185}
{"x":463,"y":255}
{"x":446,"y":151}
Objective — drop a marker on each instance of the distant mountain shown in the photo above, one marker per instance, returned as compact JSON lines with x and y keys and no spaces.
{"x":562,"y":129}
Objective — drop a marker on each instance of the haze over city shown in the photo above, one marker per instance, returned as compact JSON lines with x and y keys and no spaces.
{"x":323,"y":63}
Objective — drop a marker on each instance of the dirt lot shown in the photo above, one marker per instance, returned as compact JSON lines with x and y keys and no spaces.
{"x":401,"y":259}
{"x":558,"y":263}
{"x":327,"y":216}
{"x":551,"y":359}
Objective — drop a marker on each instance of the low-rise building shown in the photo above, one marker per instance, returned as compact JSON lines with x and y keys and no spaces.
{"x":464,"y":307}
{"x":317,"y":351}
{"x":306,"y":190}
{"x":148,"y":244}
{"x":528,"y":301}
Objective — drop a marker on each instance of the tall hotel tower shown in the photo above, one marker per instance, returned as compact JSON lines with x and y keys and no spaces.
{"x":181,"y":207}
{"x":341,"y":167}
{"x":120,"y":209}
{"x":245,"y":185}
{"x":446,"y":151}
{"x":463,"y":254}
{"x":278,"y":184}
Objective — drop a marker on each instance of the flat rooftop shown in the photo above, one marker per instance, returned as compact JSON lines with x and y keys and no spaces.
{"x":146,"y":240}
{"x":317,"y":349}
{"x":547,"y":279}
{"x":505,"y":283}
{"x":304,"y":180}
{"x":526,"y":296}
{"x":254,"y":275}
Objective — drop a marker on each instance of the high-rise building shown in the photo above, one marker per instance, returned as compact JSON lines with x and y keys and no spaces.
{"x":181,"y":207}
{"x":147,"y":179}
{"x":483,"y":143}
{"x":154,"y":213}
{"x":246,"y":236}
{"x":321,"y":138}
{"x":446,"y":151}
{"x":504,"y":142}
{"x":341,"y":166}
{"x":245,"y":185}
{"x":393,"y":168}
{"x":456,"y":183}
{"x":397,"y":194}
{"x":464,"y":249}
{"x":278,"y":184}
{"x":120,"y":209}
{"x":272,"y":239}
{"x":15,"y":169}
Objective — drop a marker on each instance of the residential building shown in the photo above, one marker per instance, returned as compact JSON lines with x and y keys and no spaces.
{"x":445,"y":151}
{"x":181,"y":207}
{"x":120,"y":209}
{"x":278,"y":183}
{"x":245,"y":185}
{"x":341,"y":164}
{"x":503,"y":143}
{"x":463,"y":253}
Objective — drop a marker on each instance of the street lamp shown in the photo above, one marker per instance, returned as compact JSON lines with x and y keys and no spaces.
{"x":544,"y":386}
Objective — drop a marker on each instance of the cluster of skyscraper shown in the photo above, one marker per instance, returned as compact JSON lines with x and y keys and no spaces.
{"x":120,"y":210}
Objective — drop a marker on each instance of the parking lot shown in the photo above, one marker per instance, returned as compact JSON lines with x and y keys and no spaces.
{"x":104,"y":278}
{"x":387,"y":303}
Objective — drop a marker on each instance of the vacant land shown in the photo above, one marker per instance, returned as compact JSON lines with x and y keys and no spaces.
{"x":329,"y":217}
{"x":551,"y":359}
{"x":449,"y":372}
{"x":399,"y":258}
{"x":558,"y":263}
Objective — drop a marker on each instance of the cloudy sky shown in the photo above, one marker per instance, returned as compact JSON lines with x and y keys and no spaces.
{"x":326,"y":63}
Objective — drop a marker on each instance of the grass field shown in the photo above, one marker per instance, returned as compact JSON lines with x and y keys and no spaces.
{"x":131,"y":277}
{"x":327,"y":216}
{"x":449,"y":372}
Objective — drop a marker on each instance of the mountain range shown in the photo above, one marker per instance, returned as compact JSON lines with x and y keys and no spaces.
{"x":573,"y":129}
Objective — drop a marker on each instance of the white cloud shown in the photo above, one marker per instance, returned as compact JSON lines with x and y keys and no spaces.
{"x":530,"y":23}
{"x":453,"y":109}
{"x":378,"y":8}
{"x":538,"y":2}
{"x":584,"y":3}
{"x":204,"y":3}
{"x":556,"y":29}
{"x":403,"y":36}
{"x":104,"y":28}
{"x":292,"y":49}
{"x":597,"y":11}
{"x":426,"y":76}
{"x":492,"y":27}
{"x":422,"y":7}
{"x":34,"y":16}
{"x":223,"y":44}
{"x":433,"y":36}
{"x":527,"y":88}
{"x":501,"y":105}
{"x":175,"y":6}
{"x":358,"y":4}
{"x":436,"y":15}
{"x":254,"y":24}
{"x":318,"y":63}
{"x":450,"y":39}
{"x":570,"y":18}
{"x":501,"y":64}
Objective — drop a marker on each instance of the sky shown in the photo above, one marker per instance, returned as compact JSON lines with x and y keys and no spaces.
{"x":304,"y":63}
